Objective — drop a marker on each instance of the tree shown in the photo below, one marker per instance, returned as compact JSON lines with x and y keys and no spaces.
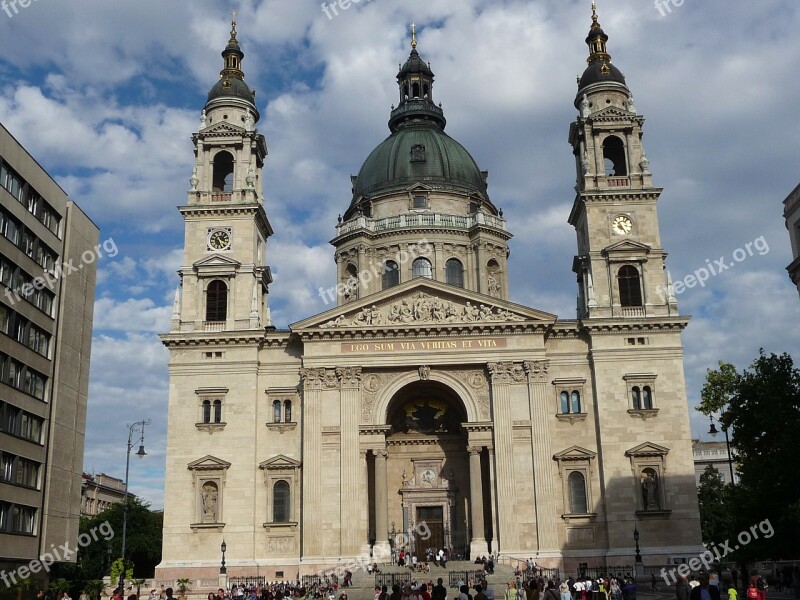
{"x":142,"y":542}
{"x":760,"y":407}
{"x":183,"y":586}
{"x":23,"y":585}
{"x":715,"y":506}
{"x":116,"y":571}
{"x":94,"y":588}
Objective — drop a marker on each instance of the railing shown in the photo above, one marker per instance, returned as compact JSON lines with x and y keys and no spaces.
{"x":636,"y":311}
{"x":221,"y":197}
{"x":389,"y":579}
{"x":612,"y":571}
{"x":619,"y":182}
{"x":541,"y":572}
{"x":469,"y":578}
{"x":248,"y":581}
{"x":426,"y":219}
{"x":214,"y":326}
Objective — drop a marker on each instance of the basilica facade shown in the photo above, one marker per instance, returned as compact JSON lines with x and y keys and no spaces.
{"x":426,"y":401}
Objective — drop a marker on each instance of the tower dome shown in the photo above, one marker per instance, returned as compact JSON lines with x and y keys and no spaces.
{"x":418,"y":149}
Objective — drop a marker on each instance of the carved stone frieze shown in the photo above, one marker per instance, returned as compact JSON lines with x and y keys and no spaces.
{"x":477,"y":382}
{"x":507,"y":373}
{"x":373,"y":383}
{"x":423,"y":309}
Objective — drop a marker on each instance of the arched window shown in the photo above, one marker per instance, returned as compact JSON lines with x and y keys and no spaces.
{"x":391,"y":274}
{"x":223,"y":172}
{"x":614,"y":157}
{"x":647,"y":398}
{"x":636,"y":396}
{"x":454,"y":272}
{"x":280,"y":502}
{"x":206,"y":411}
{"x":276,"y":411}
{"x":576,"y":402}
{"x":217,"y":411}
{"x":564,"y":403}
{"x":217,"y":301}
{"x":630,"y":291}
{"x":421,"y":267}
{"x":576,"y":484}
{"x":287,"y":411}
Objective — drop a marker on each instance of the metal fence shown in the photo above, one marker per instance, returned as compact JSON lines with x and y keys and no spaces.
{"x":465,"y":577}
{"x":389,"y":579}
{"x":541,"y":572}
{"x":611,"y":571}
{"x":248,"y":581}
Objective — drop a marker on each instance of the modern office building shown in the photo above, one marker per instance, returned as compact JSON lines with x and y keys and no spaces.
{"x":47,"y":277}
{"x":791,"y":212}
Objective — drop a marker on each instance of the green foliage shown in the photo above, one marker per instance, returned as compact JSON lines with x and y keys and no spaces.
{"x":715,"y":506}
{"x":94,"y":588}
{"x":183,"y":585}
{"x":143,"y":541}
{"x":116,"y":571}
{"x":760,"y":407}
{"x":59,"y":585}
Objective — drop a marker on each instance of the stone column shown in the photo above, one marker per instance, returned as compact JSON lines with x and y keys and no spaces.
{"x":350,"y":465}
{"x":477,"y":545}
{"x":541,"y":411}
{"x":492,"y":501}
{"x":382,"y":548}
{"x":312,"y":460}
{"x":503,"y":375}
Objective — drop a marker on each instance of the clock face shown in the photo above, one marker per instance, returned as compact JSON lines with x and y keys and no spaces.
{"x":622,"y":225}
{"x":219,"y":239}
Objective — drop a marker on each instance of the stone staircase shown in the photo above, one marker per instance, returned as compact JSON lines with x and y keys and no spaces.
{"x":363,"y":587}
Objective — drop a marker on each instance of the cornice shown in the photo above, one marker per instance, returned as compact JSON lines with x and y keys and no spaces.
{"x":205,"y":339}
{"x":628,"y":325}
{"x":416,"y":229}
{"x":423,"y":331}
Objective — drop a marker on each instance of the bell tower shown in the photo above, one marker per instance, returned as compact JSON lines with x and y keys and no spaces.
{"x":224,"y":277}
{"x":620,"y":263}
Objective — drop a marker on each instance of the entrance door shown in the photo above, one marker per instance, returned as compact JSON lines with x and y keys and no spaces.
{"x":433,"y":517}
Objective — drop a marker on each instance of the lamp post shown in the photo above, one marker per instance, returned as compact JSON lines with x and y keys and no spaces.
{"x":713,"y":431}
{"x":223,"y":569}
{"x":638,"y":558}
{"x":132,"y":428}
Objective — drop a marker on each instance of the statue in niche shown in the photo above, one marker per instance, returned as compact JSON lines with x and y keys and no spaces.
{"x":650,"y":490}
{"x":209,"y":497}
{"x":494,"y":286}
{"x":203,"y":119}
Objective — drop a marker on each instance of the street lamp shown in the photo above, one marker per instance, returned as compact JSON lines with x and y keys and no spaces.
{"x":223,"y":569}
{"x":638,"y":557}
{"x":134,"y":427}
{"x":713,"y":431}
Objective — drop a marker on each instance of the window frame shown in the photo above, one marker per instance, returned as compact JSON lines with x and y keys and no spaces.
{"x":454,"y":278}
{"x":419,"y":261}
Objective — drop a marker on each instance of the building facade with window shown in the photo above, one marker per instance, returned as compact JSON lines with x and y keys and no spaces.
{"x":791,"y":212}
{"x":99,"y":492}
{"x":714,"y":454}
{"x":425,"y":394}
{"x":45,"y":340}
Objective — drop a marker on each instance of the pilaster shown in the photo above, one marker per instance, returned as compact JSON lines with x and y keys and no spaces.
{"x":350,"y":466}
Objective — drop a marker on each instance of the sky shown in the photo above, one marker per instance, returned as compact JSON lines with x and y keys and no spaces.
{"x":106,"y":96}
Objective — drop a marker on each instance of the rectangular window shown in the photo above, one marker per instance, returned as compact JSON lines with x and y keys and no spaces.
{"x":23,"y":519}
{"x":7,"y":467}
{"x":11,"y":230}
{"x":420,"y":201}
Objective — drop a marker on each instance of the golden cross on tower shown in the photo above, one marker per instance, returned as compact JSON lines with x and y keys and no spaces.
{"x":594,"y":11}
{"x":413,"y":35}
{"x":233,"y":24}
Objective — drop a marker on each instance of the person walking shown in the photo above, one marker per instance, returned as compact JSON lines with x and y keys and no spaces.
{"x":704,"y":591}
{"x":682,"y":588}
{"x":564,"y":589}
{"x":511,"y":591}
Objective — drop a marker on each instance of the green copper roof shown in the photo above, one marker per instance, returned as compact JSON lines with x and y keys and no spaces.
{"x":418,"y":153}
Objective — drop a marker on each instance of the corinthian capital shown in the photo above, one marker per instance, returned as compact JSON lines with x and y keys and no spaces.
{"x":506,"y":373}
{"x":349,"y":376}
{"x":536,"y":370}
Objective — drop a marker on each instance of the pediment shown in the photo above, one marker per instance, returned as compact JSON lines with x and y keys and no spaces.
{"x":612,"y":113}
{"x":216,"y":260}
{"x":222,"y":128}
{"x":208,"y":463}
{"x":423,"y":301}
{"x":280,"y":462}
{"x":627,"y":247}
{"x":575,"y":453}
{"x":647,"y":449}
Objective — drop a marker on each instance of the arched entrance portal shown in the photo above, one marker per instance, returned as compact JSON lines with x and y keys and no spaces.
{"x":430,"y":494}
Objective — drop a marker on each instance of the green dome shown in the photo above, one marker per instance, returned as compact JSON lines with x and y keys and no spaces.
{"x":231,"y":87}
{"x":418,"y":154}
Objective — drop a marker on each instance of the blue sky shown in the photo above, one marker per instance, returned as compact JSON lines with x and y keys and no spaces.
{"x":106,"y":96}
